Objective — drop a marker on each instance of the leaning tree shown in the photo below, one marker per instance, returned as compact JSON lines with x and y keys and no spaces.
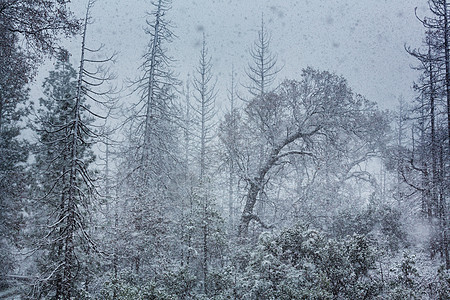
{"x":300,"y":119}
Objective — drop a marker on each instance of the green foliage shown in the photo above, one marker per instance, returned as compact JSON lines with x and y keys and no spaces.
{"x":300,"y":263}
{"x":405,"y":283}
{"x":381,"y":222}
{"x":349,"y":223}
{"x":14,"y":151}
{"x":443,"y":284}
{"x":296,"y":263}
{"x":125,"y":291}
{"x":220,"y":282}
{"x":63,"y":188}
{"x":181,"y":282}
{"x":175,"y":284}
{"x":392,"y":230}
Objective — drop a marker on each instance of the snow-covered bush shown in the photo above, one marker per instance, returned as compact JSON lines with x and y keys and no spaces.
{"x":301,"y":263}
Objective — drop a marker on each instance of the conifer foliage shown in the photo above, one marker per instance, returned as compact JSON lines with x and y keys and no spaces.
{"x":67,"y":133}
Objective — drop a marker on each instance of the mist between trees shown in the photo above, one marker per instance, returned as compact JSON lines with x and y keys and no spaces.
{"x":303,"y":189}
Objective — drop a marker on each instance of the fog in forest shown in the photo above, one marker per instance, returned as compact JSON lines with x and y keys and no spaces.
{"x":224,"y":149}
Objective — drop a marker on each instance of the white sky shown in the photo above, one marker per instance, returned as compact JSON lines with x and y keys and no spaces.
{"x":363,"y":40}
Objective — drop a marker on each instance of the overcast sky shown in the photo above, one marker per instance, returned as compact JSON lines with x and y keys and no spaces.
{"x":363,"y":40}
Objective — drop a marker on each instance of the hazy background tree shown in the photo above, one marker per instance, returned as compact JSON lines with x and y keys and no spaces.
{"x":228,"y":132}
{"x":262,"y":69}
{"x":204,"y":114}
{"x":151,"y":158}
{"x":434,"y":97}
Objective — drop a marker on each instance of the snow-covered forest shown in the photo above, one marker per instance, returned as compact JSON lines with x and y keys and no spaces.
{"x":238,"y":184}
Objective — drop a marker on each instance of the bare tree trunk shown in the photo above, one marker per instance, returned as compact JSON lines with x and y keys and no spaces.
{"x":205,"y":111}
{"x":257,"y":183}
{"x":434,"y":158}
{"x":443,"y":205}
{"x":231,"y":160}
{"x":1,"y":113}
{"x":205,"y":251}
{"x":447,"y":68}
{"x":442,"y":209}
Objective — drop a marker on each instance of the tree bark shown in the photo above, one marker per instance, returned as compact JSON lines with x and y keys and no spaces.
{"x":69,"y":255}
{"x":443,"y":203}
{"x":257,"y":183}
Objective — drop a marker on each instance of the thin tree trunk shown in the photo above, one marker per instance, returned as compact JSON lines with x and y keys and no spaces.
{"x":205,"y":250}
{"x":231,"y":162}
{"x":447,"y":83}
{"x":1,"y":114}
{"x":151,"y":85}
{"x":434,"y":158}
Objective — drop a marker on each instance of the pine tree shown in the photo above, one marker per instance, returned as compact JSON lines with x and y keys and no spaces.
{"x":53,"y":159}
{"x":204,"y":114}
{"x":152,"y":156}
{"x":37,"y":25}
{"x":67,"y":133}
{"x":262,"y":71}
{"x":13,"y":154}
